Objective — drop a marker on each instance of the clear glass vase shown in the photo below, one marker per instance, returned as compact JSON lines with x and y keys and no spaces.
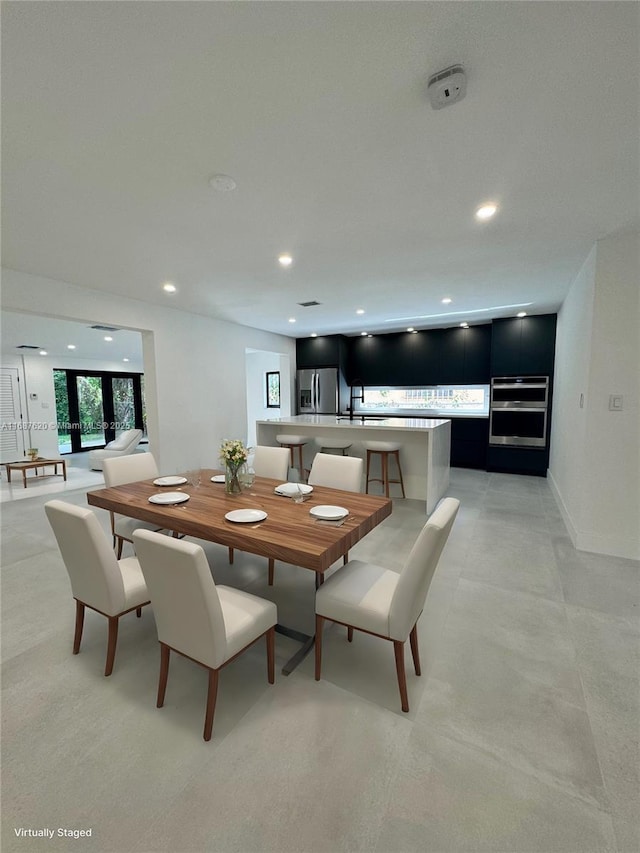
{"x":232,"y":484}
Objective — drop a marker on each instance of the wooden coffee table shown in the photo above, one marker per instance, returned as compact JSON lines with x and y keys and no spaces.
{"x":41,"y":462}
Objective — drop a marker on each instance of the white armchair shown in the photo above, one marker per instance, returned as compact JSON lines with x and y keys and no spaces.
{"x":123,"y":445}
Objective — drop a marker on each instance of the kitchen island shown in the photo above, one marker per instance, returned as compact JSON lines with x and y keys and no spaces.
{"x":424,"y":452}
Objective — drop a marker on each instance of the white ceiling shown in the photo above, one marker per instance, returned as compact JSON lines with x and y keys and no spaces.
{"x":54,"y":337}
{"x":115,"y":115}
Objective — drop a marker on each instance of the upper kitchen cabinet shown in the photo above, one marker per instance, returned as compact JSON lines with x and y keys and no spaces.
{"x":464,"y":356}
{"x":402,"y":359}
{"x":523,"y":346}
{"x":323,"y":351}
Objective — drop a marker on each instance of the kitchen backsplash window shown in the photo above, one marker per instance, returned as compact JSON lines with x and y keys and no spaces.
{"x":462,"y":399}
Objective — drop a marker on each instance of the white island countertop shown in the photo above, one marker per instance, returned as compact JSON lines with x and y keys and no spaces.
{"x":366,"y":422}
{"x":425,"y":446}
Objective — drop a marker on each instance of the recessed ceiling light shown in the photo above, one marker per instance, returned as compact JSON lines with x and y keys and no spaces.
{"x":292,"y":319}
{"x":43,"y":352}
{"x":71,"y":346}
{"x":410,"y":329}
{"x":108,"y":338}
{"x":446,"y":300}
{"x":364,"y":334}
{"x":168,"y":287}
{"x":125,"y":359}
{"x":360,"y":311}
{"x":285,"y":260}
{"x":464,"y":325}
{"x":486,"y":211}
{"x":222,"y":183}
{"x":521,"y":314}
{"x":314,"y":334}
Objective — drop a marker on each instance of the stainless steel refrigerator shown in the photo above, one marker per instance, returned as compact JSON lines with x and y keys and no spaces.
{"x":318,"y":391}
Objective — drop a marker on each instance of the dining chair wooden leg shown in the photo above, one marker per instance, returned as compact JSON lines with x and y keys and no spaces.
{"x":397,"y":455}
{"x":165,"y":652}
{"x":230,"y":556}
{"x":271,"y":571}
{"x":385,"y":473}
{"x":212,"y":695}
{"x":111,"y":644}
{"x":398,"y":648}
{"x":119,"y":548}
{"x":138,"y":612}
{"x":415,"y":653}
{"x":271,"y":657}
{"x":318,"y":645}
{"x":345,"y":559}
{"x":77,"y":637}
{"x":349,"y":634}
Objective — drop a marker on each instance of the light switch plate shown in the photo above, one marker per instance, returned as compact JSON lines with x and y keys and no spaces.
{"x":615,"y":402}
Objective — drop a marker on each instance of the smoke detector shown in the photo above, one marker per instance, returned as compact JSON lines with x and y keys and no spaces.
{"x":447,"y":87}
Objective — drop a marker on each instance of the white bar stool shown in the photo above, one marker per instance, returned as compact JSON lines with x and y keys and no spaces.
{"x":341,"y":444}
{"x":293,"y":441}
{"x":385,"y":449}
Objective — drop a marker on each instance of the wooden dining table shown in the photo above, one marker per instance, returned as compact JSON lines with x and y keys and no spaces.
{"x":289,"y":532}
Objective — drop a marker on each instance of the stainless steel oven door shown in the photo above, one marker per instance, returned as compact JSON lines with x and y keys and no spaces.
{"x":518,"y":427}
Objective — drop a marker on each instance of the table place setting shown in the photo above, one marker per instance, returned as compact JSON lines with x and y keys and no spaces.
{"x":298,"y":492}
{"x":170,"y":481}
{"x":169,"y":498}
{"x":246,"y":516}
{"x":334,"y":516}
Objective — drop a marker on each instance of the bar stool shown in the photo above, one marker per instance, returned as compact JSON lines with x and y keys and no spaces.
{"x":293,"y":441}
{"x":341,"y":444}
{"x":385,"y":449}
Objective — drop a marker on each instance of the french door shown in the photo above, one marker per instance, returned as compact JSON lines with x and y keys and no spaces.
{"x":93,"y":407}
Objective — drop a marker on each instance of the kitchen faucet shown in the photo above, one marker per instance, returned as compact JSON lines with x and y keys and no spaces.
{"x":353,"y":396}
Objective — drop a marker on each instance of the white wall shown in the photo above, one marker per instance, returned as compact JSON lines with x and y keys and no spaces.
{"x":595,"y":453}
{"x":258,"y":364}
{"x":194,"y":366}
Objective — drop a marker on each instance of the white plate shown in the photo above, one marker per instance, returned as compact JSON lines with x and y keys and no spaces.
{"x":290,"y":489}
{"x":169,"y":498}
{"x":328,"y":512}
{"x":219,"y":478}
{"x":169,"y":481}
{"x":246,"y":515}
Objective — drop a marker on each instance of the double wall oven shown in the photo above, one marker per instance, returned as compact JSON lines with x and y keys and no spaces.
{"x":518,"y":411}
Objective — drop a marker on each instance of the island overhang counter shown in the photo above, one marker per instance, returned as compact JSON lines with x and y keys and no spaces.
{"x":425,"y":447}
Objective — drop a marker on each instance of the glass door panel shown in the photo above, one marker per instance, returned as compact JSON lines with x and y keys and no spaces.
{"x":91,"y":411}
{"x":124,"y":414}
{"x":62,"y":411}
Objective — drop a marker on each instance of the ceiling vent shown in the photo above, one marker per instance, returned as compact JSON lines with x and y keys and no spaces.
{"x":308,"y":304}
{"x":27,"y":346}
{"x":447,"y":87}
{"x":105,"y":328}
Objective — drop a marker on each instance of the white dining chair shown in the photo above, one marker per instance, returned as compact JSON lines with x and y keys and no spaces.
{"x":209,"y":624}
{"x":98,"y":580}
{"x":271,"y":462}
{"x":336,"y":472}
{"x":377,"y":601}
{"x":118,"y":471}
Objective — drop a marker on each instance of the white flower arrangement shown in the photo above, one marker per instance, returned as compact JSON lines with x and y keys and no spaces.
{"x":233,"y":452}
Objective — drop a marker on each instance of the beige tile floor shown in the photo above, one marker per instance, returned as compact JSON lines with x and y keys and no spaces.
{"x":522,"y":735}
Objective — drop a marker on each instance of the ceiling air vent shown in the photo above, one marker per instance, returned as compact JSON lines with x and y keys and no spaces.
{"x":105,"y":328}
{"x":308,"y":304}
{"x":27,"y":346}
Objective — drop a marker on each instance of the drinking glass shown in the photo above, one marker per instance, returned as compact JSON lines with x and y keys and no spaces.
{"x":298,"y":495}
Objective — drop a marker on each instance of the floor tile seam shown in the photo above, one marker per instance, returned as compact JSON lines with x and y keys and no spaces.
{"x":620,"y":622}
{"x":590,"y":711}
{"x":523,"y":766}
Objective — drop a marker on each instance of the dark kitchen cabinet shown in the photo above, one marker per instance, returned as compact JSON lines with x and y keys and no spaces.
{"x":451,"y":356}
{"x":395,"y":359}
{"x":469,"y":442}
{"x":323,"y":351}
{"x":518,"y":460}
{"x":477,"y":355}
{"x":522,"y":346}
